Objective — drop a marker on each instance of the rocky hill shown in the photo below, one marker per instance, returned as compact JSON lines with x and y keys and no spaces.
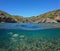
{"x":5,"y":17}
{"x":51,"y":16}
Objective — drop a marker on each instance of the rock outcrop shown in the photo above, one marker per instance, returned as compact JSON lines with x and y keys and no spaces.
{"x":48,"y":20}
{"x":7,"y":20}
{"x":57,"y":18}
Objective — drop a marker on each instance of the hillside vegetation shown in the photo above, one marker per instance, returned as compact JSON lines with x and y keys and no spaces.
{"x":51,"y":16}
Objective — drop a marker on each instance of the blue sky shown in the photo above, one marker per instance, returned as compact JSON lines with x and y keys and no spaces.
{"x":28,"y":8}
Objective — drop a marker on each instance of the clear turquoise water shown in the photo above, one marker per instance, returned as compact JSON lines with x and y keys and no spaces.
{"x":39,"y":40}
{"x":54,"y":32}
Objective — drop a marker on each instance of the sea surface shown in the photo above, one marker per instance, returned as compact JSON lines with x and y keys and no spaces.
{"x":29,"y":37}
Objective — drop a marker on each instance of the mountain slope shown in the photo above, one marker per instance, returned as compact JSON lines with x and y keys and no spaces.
{"x":52,"y":16}
{"x":5,"y":17}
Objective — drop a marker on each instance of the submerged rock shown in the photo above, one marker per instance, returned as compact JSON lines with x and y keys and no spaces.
{"x":10,"y":33}
{"x":15,"y":35}
{"x":22,"y":36}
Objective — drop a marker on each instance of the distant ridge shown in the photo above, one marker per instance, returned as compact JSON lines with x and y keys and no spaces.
{"x":49,"y":17}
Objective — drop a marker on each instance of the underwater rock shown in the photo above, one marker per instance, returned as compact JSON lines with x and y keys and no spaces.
{"x":12,"y":38}
{"x":22,"y":36}
{"x":10,"y":33}
{"x":15,"y":35}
